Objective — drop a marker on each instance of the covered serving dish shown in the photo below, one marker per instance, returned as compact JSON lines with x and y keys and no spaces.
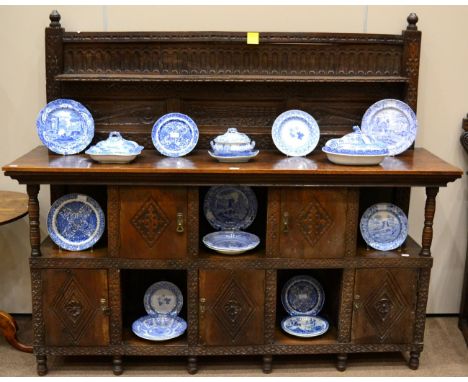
{"x":114,"y":149}
{"x":355,"y":148}
{"x":232,"y":143}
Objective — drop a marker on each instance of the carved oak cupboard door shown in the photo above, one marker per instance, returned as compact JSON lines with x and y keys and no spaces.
{"x":153,"y":222}
{"x":231,"y":307}
{"x":384,"y":305}
{"x":75,"y":307}
{"x":313,"y":222}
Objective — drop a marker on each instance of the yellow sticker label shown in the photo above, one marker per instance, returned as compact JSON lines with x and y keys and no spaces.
{"x":253,"y":38}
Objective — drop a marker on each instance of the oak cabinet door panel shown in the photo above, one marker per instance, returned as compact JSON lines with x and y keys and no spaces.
{"x":232,"y":307}
{"x":74,"y":304}
{"x":384,"y":305}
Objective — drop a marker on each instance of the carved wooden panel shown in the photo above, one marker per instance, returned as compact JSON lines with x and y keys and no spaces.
{"x":153,"y":222}
{"x":384,"y":305}
{"x":232,"y":307}
{"x":72,"y":307}
{"x":318,"y":223}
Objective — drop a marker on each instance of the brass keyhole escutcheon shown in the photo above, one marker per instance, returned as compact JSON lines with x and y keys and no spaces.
{"x":180,"y":222}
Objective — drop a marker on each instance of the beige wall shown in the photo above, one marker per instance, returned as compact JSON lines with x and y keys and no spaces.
{"x":443,"y":102}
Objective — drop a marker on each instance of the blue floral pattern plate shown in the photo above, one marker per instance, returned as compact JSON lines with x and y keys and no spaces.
{"x":295,"y":133}
{"x":163,"y":297}
{"x":305,"y":326}
{"x":391,"y":122}
{"x":159,"y":327}
{"x":384,"y":226}
{"x":231,"y":242}
{"x":75,"y":222}
{"x":230,"y":207}
{"x":175,"y":134}
{"x":302,"y":296}
{"x":65,"y":126}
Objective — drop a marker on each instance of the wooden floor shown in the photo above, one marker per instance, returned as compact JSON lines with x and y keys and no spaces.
{"x":445,"y":354}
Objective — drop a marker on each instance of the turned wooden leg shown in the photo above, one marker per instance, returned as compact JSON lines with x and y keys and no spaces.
{"x":413,"y":362}
{"x":341,"y":361}
{"x":267,"y":364}
{"x":117,"y":368}
{"x":429,"y":211}
{"x":192,"y":366}
{"x":33,"y":210}
{"x":9,"y":327}
{"x":41,"y":361}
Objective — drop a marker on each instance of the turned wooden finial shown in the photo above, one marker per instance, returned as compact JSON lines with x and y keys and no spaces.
{"x":412,"y":21}
{"x":55,"y":19}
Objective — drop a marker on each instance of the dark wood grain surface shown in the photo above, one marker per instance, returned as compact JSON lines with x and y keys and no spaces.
{"x":13,"y":206}
{"x":416,"y":167}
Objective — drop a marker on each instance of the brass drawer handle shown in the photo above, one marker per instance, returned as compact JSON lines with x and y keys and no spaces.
{"x":180,"y":222}
{"x":285,"y":222}
{"x":104,"y":306}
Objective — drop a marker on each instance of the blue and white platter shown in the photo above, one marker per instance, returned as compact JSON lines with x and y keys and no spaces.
{"x":65,"y":126}
{"x":305,"y":326}
{"x":230,"y":207}
{"x":75,"y":222}
{"x":231,"y":242}
{"x":302,"y":296}
{"x":384,"y":226}
{"x":391,"y":122}
{"x":175,"y":134}
{"x":234,"y":158}
{"x":159,"y":327}
{"x":295,"y":133}
{"x":163,"y":298}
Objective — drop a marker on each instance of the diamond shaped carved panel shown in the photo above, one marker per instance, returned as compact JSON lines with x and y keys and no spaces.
{"x":150,"y":221}
{"x":233,"y":308}
{"x":385,"y":306}
{"x":73,"y":308}
{"x":314,"y":222}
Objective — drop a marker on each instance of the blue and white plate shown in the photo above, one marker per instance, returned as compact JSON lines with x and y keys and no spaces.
{"x":175,"y":134}
{"x":391,"y":122}
{"x":75,"y":222}
{"x":305,"y":326}
{"x":295,"y":133}
{"x":302,"y":296}
{"x":163,"y":297}
{"x":384,"y":226}
{"x":65,"y":126}
{"x":231,"y":242}
{"x":230,"y":207}
{"x":159,"y":327}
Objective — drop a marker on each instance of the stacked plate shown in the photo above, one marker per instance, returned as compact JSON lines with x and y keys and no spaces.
{"x":163,"y":302}
{"x":303,"y":298}
{"x":75,"y":222}
{"x":115,"y":149}
{"x":230,"y":209}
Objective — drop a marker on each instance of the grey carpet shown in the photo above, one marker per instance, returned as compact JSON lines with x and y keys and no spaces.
{"x":445,"y":354}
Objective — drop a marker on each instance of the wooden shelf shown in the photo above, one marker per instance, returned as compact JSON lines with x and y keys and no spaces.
{"x":282,"y":338}
{"x":135,"y":78}
{"x":51,"y":250}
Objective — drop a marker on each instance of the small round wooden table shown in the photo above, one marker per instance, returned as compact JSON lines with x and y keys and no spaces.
{"x":13,"y":206}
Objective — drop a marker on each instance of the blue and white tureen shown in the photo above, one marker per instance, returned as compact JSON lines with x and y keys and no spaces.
{"x":114,"y":149}
{"x":232,"y":146}
{"x":355,"y":149}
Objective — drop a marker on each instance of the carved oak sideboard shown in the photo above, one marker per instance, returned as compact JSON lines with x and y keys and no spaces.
{"x":84,"y":302}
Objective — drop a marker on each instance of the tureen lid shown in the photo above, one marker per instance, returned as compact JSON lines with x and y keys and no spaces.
{"x":356,"y":143}
{"x":232,"y":136}
{"x":115,"y":144}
